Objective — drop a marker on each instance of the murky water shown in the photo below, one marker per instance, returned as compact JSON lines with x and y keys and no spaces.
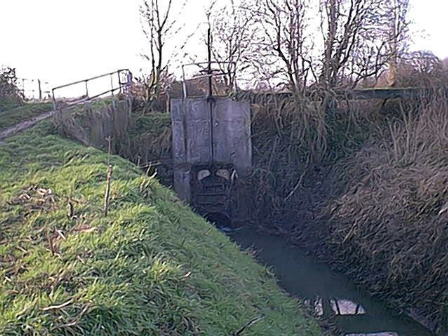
{"x":328,"y":293}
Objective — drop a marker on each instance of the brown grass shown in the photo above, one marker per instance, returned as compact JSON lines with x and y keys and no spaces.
{"x":389,"y":226}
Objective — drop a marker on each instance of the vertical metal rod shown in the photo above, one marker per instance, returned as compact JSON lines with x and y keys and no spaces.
{"x":209,"y":66}
{"x":54,"y":100}
{"x":112,"y":84}
{"x":212,"y":149}
{"x":210,"y":91}
{"x":119,"y":82}
{"x":184,"y":83}
{"x":87,"y":88}
{"x":39,"y":86}
{"x":129,"y":80}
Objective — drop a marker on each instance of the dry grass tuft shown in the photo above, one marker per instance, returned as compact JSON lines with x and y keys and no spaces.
{"x":389,"y":226}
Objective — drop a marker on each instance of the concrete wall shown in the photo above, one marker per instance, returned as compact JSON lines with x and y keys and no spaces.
{"x":192,"y":132}
{"x":92,"y":124}
{"x":231,"y":132}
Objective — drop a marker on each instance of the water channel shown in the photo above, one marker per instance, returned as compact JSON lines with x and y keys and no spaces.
{"x":328,"y":293}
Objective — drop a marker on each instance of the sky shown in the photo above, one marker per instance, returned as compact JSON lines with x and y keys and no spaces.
{"x":66,"y":40}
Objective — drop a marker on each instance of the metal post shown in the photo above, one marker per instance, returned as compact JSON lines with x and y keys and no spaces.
{"x":210,"y":91}
{"x":54,"y":100}
{"x":119,"y":82}
{"x":184,"y":83}
{"x":112,"y":83}
{"x":87,"y":88}
{"x":209,"y":65}
{"x":129,"y":82}
{"x":39,"y":86}
{"x":23,"y":87}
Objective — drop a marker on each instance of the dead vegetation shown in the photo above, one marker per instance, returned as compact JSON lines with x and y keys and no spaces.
{"x":295,"y":138}
{"x":35,"y":199}
{"x":389,"y":225}
{"x":365,"y":186}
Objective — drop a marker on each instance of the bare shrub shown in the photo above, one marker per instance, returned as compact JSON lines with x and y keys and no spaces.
{"x":421,"y":69}
{"x":10,"y":95}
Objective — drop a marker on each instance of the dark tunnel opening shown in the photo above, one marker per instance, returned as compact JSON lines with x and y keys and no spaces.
{"x":220,"y":220}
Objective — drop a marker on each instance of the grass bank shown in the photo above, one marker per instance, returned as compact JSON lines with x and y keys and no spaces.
{"x":374,"y":202}
{"x":151,"y":267}
{"x":388,"y":225}
{"x":149,"y":137}
{"x":13,"y":116}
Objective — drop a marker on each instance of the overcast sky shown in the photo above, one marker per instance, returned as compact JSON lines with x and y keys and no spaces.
{"x":66,"y":40}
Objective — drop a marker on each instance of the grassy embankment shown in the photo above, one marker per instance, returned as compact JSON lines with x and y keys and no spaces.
{"x":151,"y":267}
{"x":15,"y":115}
{"x":374,"y":202}
{"x":371,"y":178}
{"x":150,"y":137}
{"x":388,"y":225}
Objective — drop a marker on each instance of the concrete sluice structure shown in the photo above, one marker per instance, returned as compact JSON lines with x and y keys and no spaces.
{"x":212,"y":156}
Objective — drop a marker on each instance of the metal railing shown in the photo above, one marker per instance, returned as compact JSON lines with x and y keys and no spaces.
{"x":120,"y":80}
{"x":30,"y":89}
{"x":34,"y":89}
{"x":207,"y":73}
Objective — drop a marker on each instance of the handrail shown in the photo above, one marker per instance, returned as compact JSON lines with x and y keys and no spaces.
{"x":91,"y":78}
{"x":218,"y":72}
{"x":123,"y":86}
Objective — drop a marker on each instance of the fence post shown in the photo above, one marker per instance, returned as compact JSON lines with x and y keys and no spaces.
{"x":54,"y":100}
{"x":112,"y":83}
{"x":39,"y":86}
{"x":119,"y":82}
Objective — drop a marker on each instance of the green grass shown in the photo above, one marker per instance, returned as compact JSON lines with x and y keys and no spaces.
{"x":9,"y":102}
{"x":153,"y":123}
{"x":152,"y":267}
{"x":21,"y":113}
{"x":150,"y":137}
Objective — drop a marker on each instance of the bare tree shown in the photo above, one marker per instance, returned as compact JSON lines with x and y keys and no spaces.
{"x":290,"y":39}
{"x":421,"y":69}
{"x":397,"y":34}
{"x":232,"y":32}
{"x":159,"y":25}
{"x":360,"y":38}
{"x":355,"y":46}
{"x":286,"y":43}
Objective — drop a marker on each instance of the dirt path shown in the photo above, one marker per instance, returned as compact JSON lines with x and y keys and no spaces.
{"x":13,"y":130}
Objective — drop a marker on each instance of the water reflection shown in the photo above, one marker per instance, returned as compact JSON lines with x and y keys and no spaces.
{"x":330,"y":294}
{"x":334,"y":307}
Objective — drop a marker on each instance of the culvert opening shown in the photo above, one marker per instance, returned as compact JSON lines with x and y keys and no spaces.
{"x":220,"y":220}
